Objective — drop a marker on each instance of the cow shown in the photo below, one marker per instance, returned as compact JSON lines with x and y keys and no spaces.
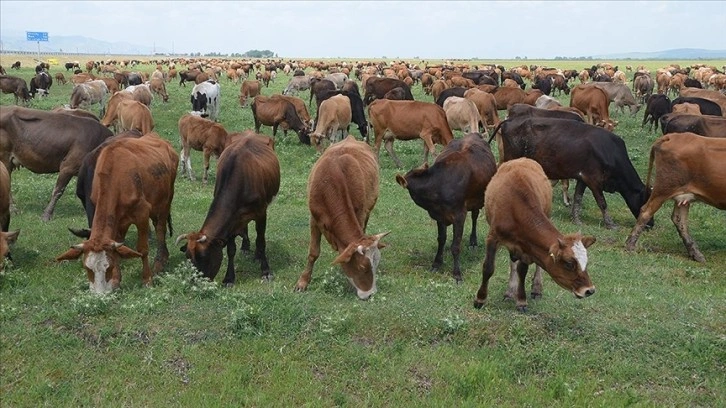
{"x":711,"y":95}
{"x":688,"y":168}
{"x":47,"y":142}
{"x":686,"y":108}
{"x":449,"y":92}
{"x":619,"y":94}
{"x":462,"y":114}
{"x":7,"y":237}
{"x":318,"y":88}
{"x":128,"y":114}
{"x":133,"y":182}
{"x":202,"y":135}
{"x":249,"y":89}
{"x":544,"y":84}
{"x":16,"y":65}
{"x":437,"y":88}
{"x":15,"y":85}
{"x":302,"y":111}
{"x":643,"y":87}
{"x":568,"y":149}
{"x":206,"y":99}
{"x":518,"y":197}
{"x":60,"y":78}
{"x":338,"y":78}
{"x":593,"y":101}
{"x":706,"y":106}
{"x":273,"y":112}
{"x":451,"y":187}
{"x":711,"y":126}
{"x":297,"y":84}
{"x":342,"y":191}
{"x":158,"y":87}
{"x":657,"y":106}
{"x":40,"y":84}
{"x":248,"y":178}
{"x":112,"y":85}
{"x":376,"y":88}
{"x":88,"y":93}
{"x":141,"y":93}
{"x":407,"y":120}
{"x":334,"y":115}
{"x":189,"y":76}
{"x":506,"y":97}
{"x":486,"y":105}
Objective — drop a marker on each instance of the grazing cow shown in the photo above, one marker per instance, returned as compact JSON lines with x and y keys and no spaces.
{"x":559,"y":83}
{"x":407,"y":120}
{"x":16,"y":86}
{"x":569,"y":149}
{"x":206,"y":99}
{"x":692,"y":83}
{"x":47,"y":142}
{"x":342,"y":191}
{"x":158,"y":87}
{"x":88,"y":93}
{"x":643,"y":87}
{"x":620,"y":95}
{"x":397,"y":94}
{"x":334,"y":115}
{"x":141,"y":93}
{"x":338,"y":78}
{"x":202,"y":135}
{"x":249,"y":89}
{"x":112,"y":85}
{"x":486,"y":105}
{"x":273,"y":112}
{"x":297,"y":84}
{"x":547,"y":102}
{"x":657,"y":106}
{"x":711,"y":95}
{"x":7,"y":238}
{"x":449,"y":92}
{"x":593,"y":101}
{"x":451,"y":187}
{"x":188,"y":76}
{"x":60,"y":78}
{"x":437,"y":88}
{"x":302,"y":111}
{"x":506,"y":97}
{"x":518,"y":197}
{"x":318,"y":88}
{"x":133,"y":182}
{"x":688,"y":168}
{"x":543,"y":84}
{"x":248,"y":178}
{"x":706,"y":106}
{"x":462,"y":114}
{"x":128,"y":114}
{"x":16,"y":65}
{"x":40,"y":84}
{"x":710,"y":126}
{"x":376,"y":88}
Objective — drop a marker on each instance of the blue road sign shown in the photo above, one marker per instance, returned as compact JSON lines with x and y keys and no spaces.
{"x":37,"y":35}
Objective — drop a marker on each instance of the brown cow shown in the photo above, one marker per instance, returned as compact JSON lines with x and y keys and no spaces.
{"x":300,"y":108}
{"x":462,"y":114}
{"x":47,"y":142}
{"x":7,"y":238}
{"x":713,"y":96}
{"x":342,"y":191}
{"x":594,"y":102}
{"x":704,"y":125}
{"x":376,"y":88}
{"x":111,"y":84}
{"x":486,"y":104}
{"x":506,"y":97}
{"x":131,"y":115}
{"x":158,"y":87}
{"x":517,"y":197}
{"x":141,"y":93}
{"x":249,"y":89}
{"x":274,"y":111}
{"x":60,"y":78}
{"x":686,"y":108}
{"x":201,"y":134}
{"x":407,"y":120}
{"x":689,"y":168}
{"x":334,"y":115}
{"x":16,"y":86}
{"x":133,"y":182}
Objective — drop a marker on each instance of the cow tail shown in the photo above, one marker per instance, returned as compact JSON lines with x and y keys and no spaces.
{"x":651,"y":161}
{"x":171,"y":228}
{"x":494,"y":132}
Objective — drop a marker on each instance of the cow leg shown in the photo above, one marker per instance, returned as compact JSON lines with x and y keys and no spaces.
{"x":513,"y":283}
{"x":487,"y":271}
{"x":536,"y":291}
{"x":441,"y":240}
{"x":646,"y":213}
{"x":206,"y":167}
{"x":245,"y":246}
{"x":313,"y":254}
{"x":680,"y":219}
{"x":389,"y":147}
{"x":600,"y":199}
{"x":64,"y":177}
{"x":456,"y":244}
{"x":142,"y":246}
{"x":577,"y":201}
{"x":162,"y":251}
{"x":260,"y":248}
{"x":521,"y":295}
{"x":472,"y":237}
{"x":229,"y":277}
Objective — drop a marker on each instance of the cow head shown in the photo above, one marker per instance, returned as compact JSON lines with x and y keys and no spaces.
{"x":359,"y":261}
{"x":204,"y":252}
{"x":6,"y":239}
{"x":567,"y":264}
{"x":101,"y":262}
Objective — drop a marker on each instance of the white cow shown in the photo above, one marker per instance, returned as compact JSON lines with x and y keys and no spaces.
{"x":206,"y":99}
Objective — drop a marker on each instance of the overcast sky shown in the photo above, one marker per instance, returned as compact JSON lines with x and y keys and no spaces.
{"x":407,"y":29}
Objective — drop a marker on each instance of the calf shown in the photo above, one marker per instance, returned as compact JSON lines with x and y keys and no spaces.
{"x":451,"y":187}
{"x":407,"y":120}
{"x":249,"y":89}
{"x":202,"y":135}
{"x":342,"y":191}
{"x":689,"y":168}
{"x":133,"y":182}
{"x":518,"y":197}
{"x":248,"y":178}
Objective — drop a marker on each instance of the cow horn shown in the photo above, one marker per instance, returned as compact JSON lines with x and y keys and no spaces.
{"x":116,"y":245}
{"x":202,"y":239}
{"x":78,"y":247}
{"x":180,"y":238}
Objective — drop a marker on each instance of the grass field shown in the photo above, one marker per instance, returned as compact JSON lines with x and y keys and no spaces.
{"x":654,"y":334}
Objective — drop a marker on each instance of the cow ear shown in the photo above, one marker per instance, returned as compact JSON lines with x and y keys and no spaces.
{"x":345,"y":256}
{"x":588,"y":240}
{"x":126,"y":252}
{"x":555,"y":251}
{"x":73,"y":253}
{"x":12,"y":236}
{"x":401,"y":180}
{"x":378,"y":238}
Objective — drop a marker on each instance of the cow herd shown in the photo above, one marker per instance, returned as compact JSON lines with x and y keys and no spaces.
{"x":128,"y":178}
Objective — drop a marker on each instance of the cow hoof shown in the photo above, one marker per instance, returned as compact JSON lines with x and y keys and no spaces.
{"x":522,"y":309}
{"x":46,"y":217}
{"x":698,"y":257}
{"x":268,"y":277}
{"x":535,"y":295}
{"x":228,"y":284}
{"x":478,"y":304}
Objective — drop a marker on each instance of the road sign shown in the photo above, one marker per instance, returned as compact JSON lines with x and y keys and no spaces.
{"x":37,"y":35}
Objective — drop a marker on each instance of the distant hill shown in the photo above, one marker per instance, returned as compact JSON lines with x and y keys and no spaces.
{"x":674,"y":54}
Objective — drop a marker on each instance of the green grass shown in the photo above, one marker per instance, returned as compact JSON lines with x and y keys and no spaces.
{"x":654,"y":334}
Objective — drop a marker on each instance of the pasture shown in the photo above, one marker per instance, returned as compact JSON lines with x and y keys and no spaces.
{"x":654,"y":333}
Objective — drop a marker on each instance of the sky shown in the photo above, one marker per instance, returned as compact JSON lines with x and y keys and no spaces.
{"x":392,"y":29}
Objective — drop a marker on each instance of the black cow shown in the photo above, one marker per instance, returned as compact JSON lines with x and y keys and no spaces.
{"x":522,"y":109}
{"x":41,"y":84}
{"x":16,"y":86}
{"x":515,"y":77}
{"x":451,"y":187}
{"x":567,"y":149}
{"x":544,"y":84}
{"x":71,"y":65}
{"x":692,"y":83}
{"x":710,"y":126}
{"x":134,"y":79}
{"x":16,"y":65}
{"x":480,"y":77}
{"x":376,"y":88}
{"x":248,"y":178}
{"x":658,"y":105}
{"x":707,"y":107}
{"x":318,"y":88}
{"x":448,"y":92}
